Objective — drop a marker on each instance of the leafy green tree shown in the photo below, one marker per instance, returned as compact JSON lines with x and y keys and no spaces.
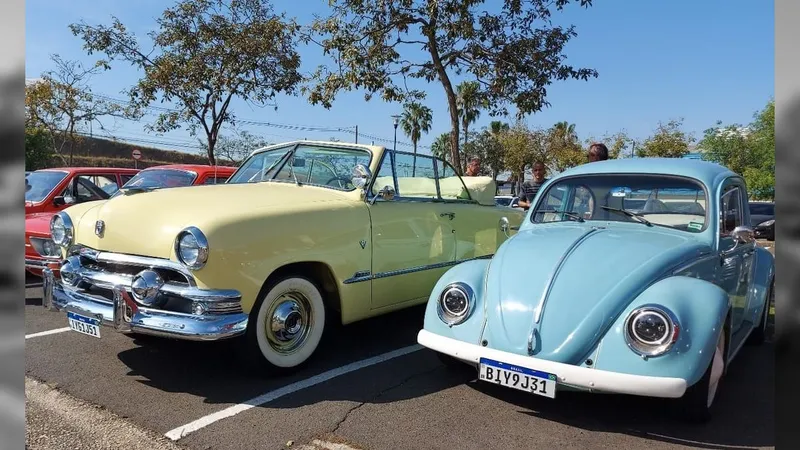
{"x":237,"y":147}
{"x":522,"y":147}
{"x":61,"y":103}
{"x":206,"y":52}
{"x":747,"y":150}
{"x":510,"y":48}
{"x":563,"y":147}
{"x":669,"y":141}
{"x":37,"y":148}
{"x":620,"y":144}
{"x":488,"y":148}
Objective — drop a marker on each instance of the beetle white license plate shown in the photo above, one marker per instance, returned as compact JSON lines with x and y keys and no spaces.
{"x":516,"y":377}
{"x":83,"y":324}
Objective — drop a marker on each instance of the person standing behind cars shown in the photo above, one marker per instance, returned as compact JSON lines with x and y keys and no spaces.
{"x":530,"y":188}
{"x":598,"y":152}
{"x":474,"y":167}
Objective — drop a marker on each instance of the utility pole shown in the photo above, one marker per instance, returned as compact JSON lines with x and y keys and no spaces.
{"x":356,"y":134}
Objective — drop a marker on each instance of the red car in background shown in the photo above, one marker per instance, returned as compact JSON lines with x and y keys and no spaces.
{"x":40,"y":251}
{"x":51,"y":190}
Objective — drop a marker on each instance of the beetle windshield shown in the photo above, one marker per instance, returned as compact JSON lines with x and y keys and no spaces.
{"x":662,"y":200}
{"x":304,"y":164}
{"x":39,"y":184}
{"x":160,"y":178}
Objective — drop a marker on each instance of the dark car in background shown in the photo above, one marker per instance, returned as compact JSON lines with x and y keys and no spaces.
{"x":762,"y":219}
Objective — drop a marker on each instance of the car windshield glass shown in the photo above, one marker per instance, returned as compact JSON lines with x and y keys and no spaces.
{"x":762,"y":209}
{"x":160,"y":178}
{"x":259,"y":167}
{"x":502,"y":201}
{"x":40,"y":183}
{"x":661,"y":200}
{"x":308,"y":164}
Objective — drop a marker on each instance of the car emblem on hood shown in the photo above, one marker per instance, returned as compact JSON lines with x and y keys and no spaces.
{"x":363,"y":243}
{"x":99,"y":228}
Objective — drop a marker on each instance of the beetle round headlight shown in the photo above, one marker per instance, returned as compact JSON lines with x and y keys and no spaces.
{"x":651,"y":330}
{"x":191,"y":248}
{"x":456,"y":303}
{"x":61,"y":229}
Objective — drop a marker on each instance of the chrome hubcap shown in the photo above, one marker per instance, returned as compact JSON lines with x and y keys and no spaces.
{"x":717,"y":365}
{"x":289,"y":322}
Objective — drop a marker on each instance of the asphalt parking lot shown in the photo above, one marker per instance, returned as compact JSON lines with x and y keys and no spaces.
{"x":369,"y":387}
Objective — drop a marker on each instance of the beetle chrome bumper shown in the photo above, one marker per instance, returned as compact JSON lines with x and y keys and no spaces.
{"x":127,"y":316}
{"x":582,"y":377}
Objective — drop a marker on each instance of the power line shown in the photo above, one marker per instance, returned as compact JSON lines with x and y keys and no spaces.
{"x":348,"y":129}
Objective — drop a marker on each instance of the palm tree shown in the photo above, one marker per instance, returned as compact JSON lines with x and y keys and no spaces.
{"x":469,"y":105}
{"x":565,"y":131}
{"x":441,"y":147}
{"x":416,"y":119}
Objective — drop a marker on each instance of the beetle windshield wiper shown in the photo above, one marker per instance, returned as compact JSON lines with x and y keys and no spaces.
{"x":566,"y":213}
{"x":630,"y":214}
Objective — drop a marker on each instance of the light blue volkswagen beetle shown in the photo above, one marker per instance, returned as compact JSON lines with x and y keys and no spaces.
{"x":634,"y":276}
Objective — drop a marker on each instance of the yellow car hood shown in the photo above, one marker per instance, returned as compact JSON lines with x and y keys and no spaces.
{"x":146,"y":223}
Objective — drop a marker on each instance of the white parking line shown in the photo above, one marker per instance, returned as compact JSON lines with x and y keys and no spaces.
{"x":202,"y":422}
{"x":45,"y":333}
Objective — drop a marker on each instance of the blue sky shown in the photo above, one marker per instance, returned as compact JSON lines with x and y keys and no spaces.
{"x":703,"y":61}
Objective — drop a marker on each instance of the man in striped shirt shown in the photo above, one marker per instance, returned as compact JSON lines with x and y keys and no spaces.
{"x":530,"y":188}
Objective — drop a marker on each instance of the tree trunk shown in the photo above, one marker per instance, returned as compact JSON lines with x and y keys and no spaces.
{"x":451,"y":98}
{"x":212,"y":142}
{"x":414,"y":166}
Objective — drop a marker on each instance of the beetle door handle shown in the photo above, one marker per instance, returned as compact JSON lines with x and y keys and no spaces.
{"x":448,"y":214}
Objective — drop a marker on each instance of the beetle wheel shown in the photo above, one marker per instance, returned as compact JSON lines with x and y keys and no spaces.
{"x":695,"y":405}
{"x":759,"y":334}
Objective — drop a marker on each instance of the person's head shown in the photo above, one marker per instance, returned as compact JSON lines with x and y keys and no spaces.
{"x":474,"y":166}
{"x":539,"y":171}
{"x":598,"y":152}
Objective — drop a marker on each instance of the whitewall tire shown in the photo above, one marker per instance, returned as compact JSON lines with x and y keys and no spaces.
{"x":288,"y":323}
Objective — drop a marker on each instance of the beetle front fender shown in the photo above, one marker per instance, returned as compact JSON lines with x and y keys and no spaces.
{"x":472,"y":273}
{"x":701,"y":309}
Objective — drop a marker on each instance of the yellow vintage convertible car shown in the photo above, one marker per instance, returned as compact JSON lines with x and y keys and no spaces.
{"x":302,"y":233}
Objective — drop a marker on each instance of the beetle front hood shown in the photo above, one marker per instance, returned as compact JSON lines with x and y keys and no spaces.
{"x":146,"y":223}
{"x":583,"y":278}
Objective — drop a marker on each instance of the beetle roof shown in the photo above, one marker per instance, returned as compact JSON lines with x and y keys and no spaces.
{"x":706,"y":172}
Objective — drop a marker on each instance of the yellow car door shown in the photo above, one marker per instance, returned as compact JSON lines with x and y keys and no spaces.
{"x":475,"y":218}
{"x":413,"y":242}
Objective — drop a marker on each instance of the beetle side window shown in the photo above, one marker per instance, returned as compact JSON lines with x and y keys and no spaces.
{"x":415,"y":176}
{"x":730,"y":212}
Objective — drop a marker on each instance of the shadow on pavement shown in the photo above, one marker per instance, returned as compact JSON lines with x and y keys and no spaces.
{"x":744,"y":410}
{"x":215,"y":372}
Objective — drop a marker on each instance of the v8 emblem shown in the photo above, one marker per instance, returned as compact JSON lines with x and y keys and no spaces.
{"x":363,"y":243}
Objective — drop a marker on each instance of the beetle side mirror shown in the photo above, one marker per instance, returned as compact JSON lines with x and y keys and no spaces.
{"x":743,"y":234}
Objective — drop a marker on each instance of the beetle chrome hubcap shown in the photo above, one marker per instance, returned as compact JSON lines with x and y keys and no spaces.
{"x":289,"y":322}
{"x":717,"y":364}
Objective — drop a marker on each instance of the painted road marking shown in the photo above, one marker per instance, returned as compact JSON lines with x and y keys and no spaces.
{"x":205,"y":421}
{"x":317,"y":444}
{"x":45,"y":333}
